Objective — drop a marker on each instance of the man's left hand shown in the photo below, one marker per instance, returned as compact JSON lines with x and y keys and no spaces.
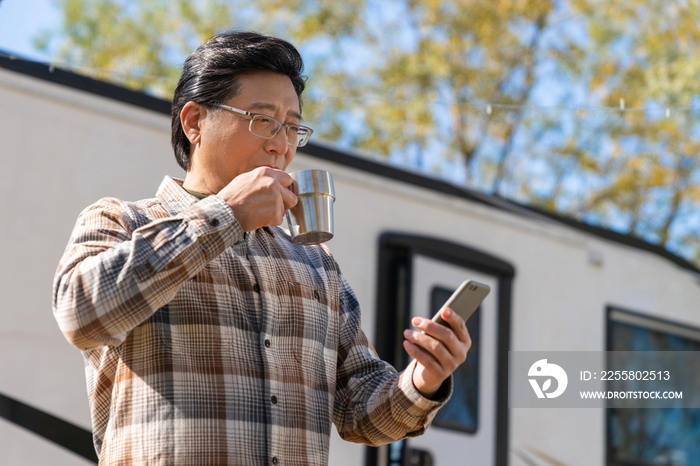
{"x":438,"y":351}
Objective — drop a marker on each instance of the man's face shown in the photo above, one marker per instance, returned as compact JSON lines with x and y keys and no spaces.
{"x":227,"y":148}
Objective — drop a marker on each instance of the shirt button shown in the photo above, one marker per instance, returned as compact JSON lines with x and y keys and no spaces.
{"x":214,"y":222}
{"x":274,"y":460}
{"x":256,"y":288}
{"x":316,"y":294}
{"x":273,"y":399}
{"x":267,"y":343}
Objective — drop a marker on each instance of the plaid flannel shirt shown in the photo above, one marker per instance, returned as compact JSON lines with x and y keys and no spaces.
{"x":204,"y":345}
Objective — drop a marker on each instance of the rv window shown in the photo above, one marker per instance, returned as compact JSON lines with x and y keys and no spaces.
{"x":461,"y":412}
{"x":669,"y":436}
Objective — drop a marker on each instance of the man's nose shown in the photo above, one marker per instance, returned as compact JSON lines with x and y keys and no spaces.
{"x":278,"y":144}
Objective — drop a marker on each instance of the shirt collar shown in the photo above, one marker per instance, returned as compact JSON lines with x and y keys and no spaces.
{"x":175,"y":199}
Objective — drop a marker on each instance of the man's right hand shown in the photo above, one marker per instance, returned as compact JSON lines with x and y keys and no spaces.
{"x":260,"y":197}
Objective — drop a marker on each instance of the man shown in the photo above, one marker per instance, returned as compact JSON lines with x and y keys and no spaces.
{"x":209,"y":337}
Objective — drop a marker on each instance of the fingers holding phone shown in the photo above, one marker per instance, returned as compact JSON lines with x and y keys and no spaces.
{"x":456,"y":323}
{"x":438,"y":350}
{"x":442,"y":343}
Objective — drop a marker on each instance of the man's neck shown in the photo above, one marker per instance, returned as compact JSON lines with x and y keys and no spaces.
{"x":196,"y":194}
{"x":196,"y":185}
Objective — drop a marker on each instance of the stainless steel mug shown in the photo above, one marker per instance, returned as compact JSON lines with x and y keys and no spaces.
{"x":311,"y":219}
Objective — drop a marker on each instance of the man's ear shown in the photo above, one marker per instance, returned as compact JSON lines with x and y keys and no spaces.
{"x":190,"y":117}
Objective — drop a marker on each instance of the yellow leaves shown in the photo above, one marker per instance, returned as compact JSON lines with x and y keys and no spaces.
{"x":136,"y":43}
{"x":215,"y":17}
{"x":635,"y":164}
{"x":320,"y":18}
{"x":608,"y":69}
{"x":530,"y":9}
{"x":651,"y":47}
{"x":693,"y":192}
{"x":645,"y":172}
{"x":660,"y":176}
{"x":626,"y":182}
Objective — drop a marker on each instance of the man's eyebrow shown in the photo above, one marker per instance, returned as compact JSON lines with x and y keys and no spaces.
{"x":274,"y":108}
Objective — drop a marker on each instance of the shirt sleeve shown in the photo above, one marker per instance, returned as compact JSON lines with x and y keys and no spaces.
{"x":374,"y":404}
{"x":119,"y":267}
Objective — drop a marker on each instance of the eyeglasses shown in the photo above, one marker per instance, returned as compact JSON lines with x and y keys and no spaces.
{"x":267,"y":127}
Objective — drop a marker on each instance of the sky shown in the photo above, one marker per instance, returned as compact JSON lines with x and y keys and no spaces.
{"x":20,"y":21}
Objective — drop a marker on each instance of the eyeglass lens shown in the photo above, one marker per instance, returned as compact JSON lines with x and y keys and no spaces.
{"x":267,"y":128}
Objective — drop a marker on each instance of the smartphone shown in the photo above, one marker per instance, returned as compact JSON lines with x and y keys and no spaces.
{"x":464,"y":301}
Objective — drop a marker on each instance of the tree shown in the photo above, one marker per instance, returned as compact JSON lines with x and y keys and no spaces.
{"x":648,"y":53}
{"x":514,"y":97}
{"x":137,"y":44}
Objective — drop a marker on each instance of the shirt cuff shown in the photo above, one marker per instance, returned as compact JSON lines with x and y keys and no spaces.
{"x":419,"y":404}
{"x":213,"y":215}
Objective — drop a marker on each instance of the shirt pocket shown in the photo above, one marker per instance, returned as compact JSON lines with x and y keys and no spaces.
{"x":309,"y":327}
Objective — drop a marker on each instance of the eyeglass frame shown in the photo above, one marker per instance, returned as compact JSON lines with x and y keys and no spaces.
{"x":252,"y":116}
